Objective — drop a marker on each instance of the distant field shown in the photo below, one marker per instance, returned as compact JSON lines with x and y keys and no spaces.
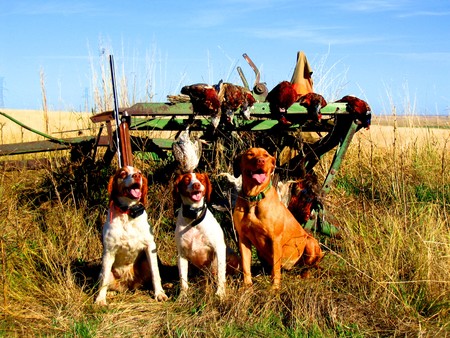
{"x":60,"y":123}
{"x":409,"y":130}
{"x":66,"y":124}
{"x":435,"y":121}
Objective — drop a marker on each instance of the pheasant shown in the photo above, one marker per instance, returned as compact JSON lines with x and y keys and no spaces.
{"x":280,"y":98}
{"x":359,"y":108}
{"x":313,"y":102}
{"x":186,"y":151}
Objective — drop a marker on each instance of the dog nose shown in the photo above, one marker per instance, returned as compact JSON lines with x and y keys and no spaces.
{"x":260,"y":161}
{"x":137,"y":176}
{"x":196,"y":185}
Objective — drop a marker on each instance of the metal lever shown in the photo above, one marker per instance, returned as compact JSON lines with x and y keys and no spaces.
{"x":259,"y":88}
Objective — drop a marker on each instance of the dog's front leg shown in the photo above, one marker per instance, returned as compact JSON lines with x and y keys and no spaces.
{"x":105,"y":276}
{"x":245,"y":247}
{"x":221,"y":259}
{"x":183,"y":273}
{"x":276,"y":264}
{"x":152,"y":257}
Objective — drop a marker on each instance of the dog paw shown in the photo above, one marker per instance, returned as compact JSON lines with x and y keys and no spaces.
{"x":100,"y":301}
{"x":275,"y":287}
{"x":161,"y":297}
{"x":221,"y":293}
{"x":305,"y":274}
{"x":183,"y":295}
{"x":247,"y":286}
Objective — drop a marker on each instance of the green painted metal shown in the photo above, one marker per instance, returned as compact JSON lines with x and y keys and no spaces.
{"x":55,"y":139}
{"x":156,"y":108}
{"x":167,"y":116}
{"x":185,"y":108}
{"x":318,"y":221}
{"x":200,"y":124}
{"x":338,"y":157}
{"x":50,"y":144}
{"x":163,"y":143}
{"x":147,"y":156}
{"x":41,"y":146}
{"x":164,"y":123}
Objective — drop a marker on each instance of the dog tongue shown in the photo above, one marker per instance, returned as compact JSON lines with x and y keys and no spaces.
{"x":135,"y":193}
{"x":196,"y":196}
{"x":259,"y":177}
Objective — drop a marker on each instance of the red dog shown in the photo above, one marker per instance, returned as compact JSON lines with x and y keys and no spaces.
{"x":263,"y":221}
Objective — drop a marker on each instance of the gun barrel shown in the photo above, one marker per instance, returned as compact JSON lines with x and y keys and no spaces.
{"x":116,"y":110}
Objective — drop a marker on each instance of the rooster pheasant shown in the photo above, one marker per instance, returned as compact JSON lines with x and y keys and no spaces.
{"x":359,"y":108}
{"x":204,"y":99}
{"x":313,"y":102}
{"x":280,"y":98}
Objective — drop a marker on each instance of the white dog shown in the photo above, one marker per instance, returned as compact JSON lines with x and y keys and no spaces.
{"x":129,"y":251}
{"x":198,"y":235}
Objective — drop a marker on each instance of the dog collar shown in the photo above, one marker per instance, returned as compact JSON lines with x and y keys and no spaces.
{"x":260,"y":196}
{"x":134,"y":211}
{"x":193,"y":213}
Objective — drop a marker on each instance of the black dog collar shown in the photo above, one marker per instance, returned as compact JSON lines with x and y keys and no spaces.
{"x":134,"y":211}
{"x":197,"y":214}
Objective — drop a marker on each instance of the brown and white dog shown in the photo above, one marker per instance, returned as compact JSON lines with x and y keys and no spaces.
{"x":198,"y":235}
{"x":129,"y":251}
{"x":263,"y":221}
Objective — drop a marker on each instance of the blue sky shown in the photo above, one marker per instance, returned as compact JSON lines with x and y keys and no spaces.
{"x":386,"y":52}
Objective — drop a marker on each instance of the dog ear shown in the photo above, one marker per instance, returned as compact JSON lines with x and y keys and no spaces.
{"x":144,"y":190}
{"x":176,"y":192}
{"x":208,"y":187}
{"x":237,"y":166}
{"x":112,"y":186}
{"x":274,"y":163}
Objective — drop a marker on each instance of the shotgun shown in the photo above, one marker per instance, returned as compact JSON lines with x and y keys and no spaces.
{"x":116,"y":110}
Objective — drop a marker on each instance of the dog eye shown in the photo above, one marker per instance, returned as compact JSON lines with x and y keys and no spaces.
{"x":123,"y":174}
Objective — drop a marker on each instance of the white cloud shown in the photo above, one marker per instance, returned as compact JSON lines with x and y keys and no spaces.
{"x":371,"y":5}
{"x":425,"y":57}
{"x":320,"y":35}
{"x":424,"y":13}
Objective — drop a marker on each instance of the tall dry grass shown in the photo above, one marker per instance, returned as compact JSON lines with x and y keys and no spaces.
{"x":387,"y":276}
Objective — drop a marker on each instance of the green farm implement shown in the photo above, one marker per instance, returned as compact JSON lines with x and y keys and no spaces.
{"x":149,"y":130}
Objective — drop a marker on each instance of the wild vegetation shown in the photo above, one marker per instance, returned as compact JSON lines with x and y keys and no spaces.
{"x":387,"y":274}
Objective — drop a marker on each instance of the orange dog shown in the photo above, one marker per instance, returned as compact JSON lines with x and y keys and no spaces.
{"x":263,"y":221}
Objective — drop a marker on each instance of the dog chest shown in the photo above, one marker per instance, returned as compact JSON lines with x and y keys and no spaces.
{"x":192,"y":239}
{"x":127,"y":233}
{"x":199,"y":243}
{"x":195,"y":246}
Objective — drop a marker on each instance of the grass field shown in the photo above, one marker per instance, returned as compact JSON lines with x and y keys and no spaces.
{"x":59,"y":123}
{"x":389,"y":274}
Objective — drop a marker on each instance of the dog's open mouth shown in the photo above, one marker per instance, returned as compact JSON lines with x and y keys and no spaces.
{"x":258,"y":175}
{"x":196,"y":196}
{"x":134,"y":191}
